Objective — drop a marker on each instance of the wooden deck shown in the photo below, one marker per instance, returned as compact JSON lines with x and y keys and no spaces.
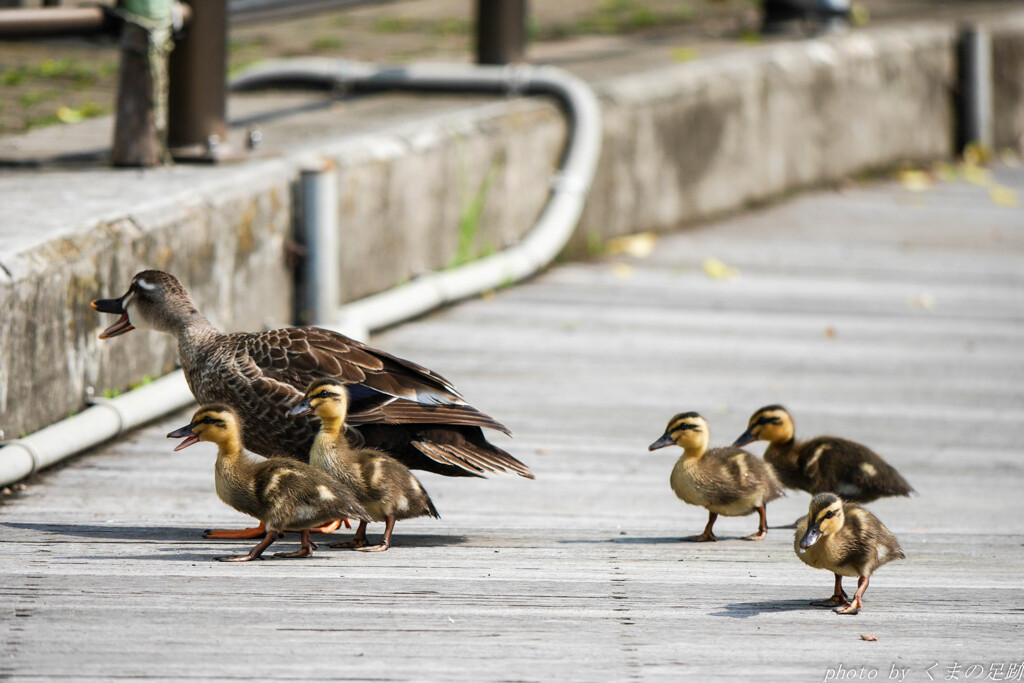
{"x":886,"y":316}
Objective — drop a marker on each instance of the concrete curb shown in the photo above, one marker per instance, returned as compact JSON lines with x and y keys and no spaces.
{"x":682,"y":143}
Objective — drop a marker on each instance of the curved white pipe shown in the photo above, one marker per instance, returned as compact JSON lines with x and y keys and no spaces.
{"x":109,"y":418}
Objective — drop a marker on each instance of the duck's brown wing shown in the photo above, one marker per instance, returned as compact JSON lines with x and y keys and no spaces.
{"x":449,"y":450}
{"x":395,"y":411}
{"x":298,"y":355}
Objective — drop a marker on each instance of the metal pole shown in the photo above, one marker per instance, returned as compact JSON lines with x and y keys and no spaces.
{"x":140,"y":125}
{"x":975,"y":76}
{"x":318,"y":229}
{"x":34,"y":23}
{"x":197,"y":106}
{"x":500,"y":31}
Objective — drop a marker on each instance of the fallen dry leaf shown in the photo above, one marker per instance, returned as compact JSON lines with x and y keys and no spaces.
{"x":976,"y":175}
{"x":977,"y":154}
{"x":684,"y":54}
{"x":870,"y":637}
{"x":830,"y":332}
{"x":923,"y":300}
{"x":640,"y":245}
{"x":914,"y":180}
{"x":717,"y":270}
{"x":1003,"y":196}
{"x":623,"y":271}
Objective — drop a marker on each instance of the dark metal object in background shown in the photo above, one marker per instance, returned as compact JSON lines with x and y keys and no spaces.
{"x":974,"y":101}
{"x":500,"y":31}
{"x":64,"y":21}
{"x":252,"y":11}
{"x":197,"y":130}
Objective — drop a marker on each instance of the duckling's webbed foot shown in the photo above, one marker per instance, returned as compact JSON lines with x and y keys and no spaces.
{"x":851,"y":608}
{"x":255,"y":553}
{"x":839,"y":596}
{"x":357,"y":542}
{"x":385,"y":542}
{"x":254,"y":532}
{"x":379,"y":548}
{"x":707,"y":535}
{"x":762,"y":526}
{"x":305,"y":551}
{"x":854,"y":606}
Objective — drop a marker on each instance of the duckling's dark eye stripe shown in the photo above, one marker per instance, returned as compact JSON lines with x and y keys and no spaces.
{"x":685,"y":426}
{"x":768,"y":421}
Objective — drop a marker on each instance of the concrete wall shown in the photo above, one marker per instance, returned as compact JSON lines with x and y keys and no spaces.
{"x":682,"y":143}
{"x":1008,"y":85}
{"x":226,"y":242}
{"x":689,"y":141}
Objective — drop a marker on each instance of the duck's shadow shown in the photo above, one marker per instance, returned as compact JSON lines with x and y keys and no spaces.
{"x":656,"y":540}
{"x":194,"y":538}
{"x":744,"y":610}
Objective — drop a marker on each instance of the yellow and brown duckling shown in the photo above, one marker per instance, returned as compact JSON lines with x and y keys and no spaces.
{"x":726,"y":481}
{"x":382,"y":485}
{"x":847,"y":540}
{"x":822,"y":464}
{"x":284,"y":494}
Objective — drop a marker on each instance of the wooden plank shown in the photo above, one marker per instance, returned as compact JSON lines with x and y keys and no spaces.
{"x":578,"y":576}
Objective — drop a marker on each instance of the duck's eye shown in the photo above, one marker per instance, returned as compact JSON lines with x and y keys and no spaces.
{"x":830,"y":514}
{"x":207,"y":420}
{"x":324,"y":394}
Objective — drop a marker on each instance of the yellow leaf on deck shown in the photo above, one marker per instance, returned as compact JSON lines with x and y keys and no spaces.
{"x":68,"y":115}
{"x":623,"y":271}
{"x":977,"y":154}
{"x":640,"y":245}
{"x":684,"y":54}
{"x":1003,"y":196}
{"x":717,"y":270}
{"x":914,"y":180}
{"x":976,"y":175}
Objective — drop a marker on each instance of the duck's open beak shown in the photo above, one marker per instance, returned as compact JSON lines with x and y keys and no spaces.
{"x":302,"y":409}
{"x":184,"y":432}
{"x":745,"y":438}
{"x":811,"y":537}
{"x":116,"y":307}
{"x":665,"y":440}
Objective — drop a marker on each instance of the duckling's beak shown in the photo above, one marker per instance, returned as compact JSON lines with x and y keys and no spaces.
{"x":745,"y":438}
{"x":811,"y":537}
{"x":665,"y":440}
{"x":302,"y":409}
{"x":116,"y":307}
{"x":190,"y":437}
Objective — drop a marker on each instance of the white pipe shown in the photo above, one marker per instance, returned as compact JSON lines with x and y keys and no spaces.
{"x":107,"y":419}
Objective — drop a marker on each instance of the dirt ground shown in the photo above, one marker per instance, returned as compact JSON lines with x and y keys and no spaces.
{"x":51,"y":82}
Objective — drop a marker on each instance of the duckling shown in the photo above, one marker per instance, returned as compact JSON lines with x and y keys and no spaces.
{"x":412,"y":413}
{"x":385,"y":487}
{"x":284,"y":494}
{"x":823,"y":464}
{"x":727,"y":481}
{"x":847,"y":540}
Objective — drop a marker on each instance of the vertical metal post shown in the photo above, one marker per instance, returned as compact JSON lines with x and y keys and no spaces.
{"x":500,"y":31}
{"x":318,"y":189}
{"x":140,"y":125}
{"x":975,"y":80}
{"x":197,"y":128}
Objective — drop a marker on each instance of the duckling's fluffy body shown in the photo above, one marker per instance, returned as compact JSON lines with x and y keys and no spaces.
{"x":284,"y":494}
{"x":382,"y":485}
{"x":725,"y":481}
{"x":847,"y":540}
{"x":822,"y":464}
